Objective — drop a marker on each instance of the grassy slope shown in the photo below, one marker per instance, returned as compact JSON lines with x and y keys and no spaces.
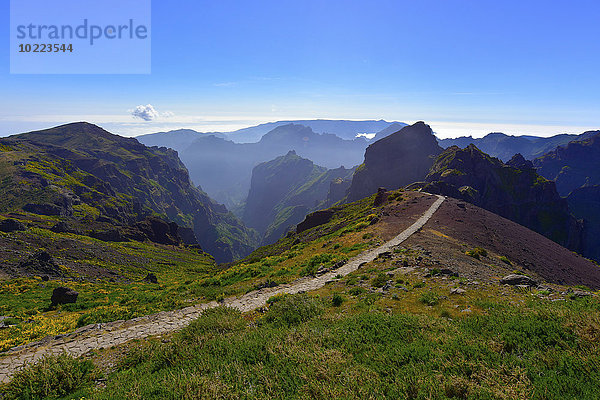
{"x":108,"y":275}
{"x":380,"y":332}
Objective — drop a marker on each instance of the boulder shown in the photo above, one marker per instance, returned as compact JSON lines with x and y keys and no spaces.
{"x":63,"y":295}
{"x":111,"y":235}
{"x":457,"y":291}
{"x":151,"y":278}
{"x":517,"y":279}
{"x":11,"y":225}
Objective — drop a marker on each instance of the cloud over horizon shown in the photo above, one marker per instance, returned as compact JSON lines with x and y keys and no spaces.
{"x":149,"y":113}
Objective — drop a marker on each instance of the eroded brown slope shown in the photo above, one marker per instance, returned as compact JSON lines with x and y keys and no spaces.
{"x":459,"y":226}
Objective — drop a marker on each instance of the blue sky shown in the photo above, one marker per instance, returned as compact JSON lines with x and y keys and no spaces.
{"x":466,"y":67}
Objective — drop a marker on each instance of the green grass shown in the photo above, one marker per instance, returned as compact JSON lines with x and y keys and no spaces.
{"x":299,"y":349}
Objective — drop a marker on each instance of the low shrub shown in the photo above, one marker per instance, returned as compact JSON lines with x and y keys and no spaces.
{"x":380,"y":280}
{"x":356,"y":291}
{"x":337,"y":300}
{"x":429,"y":298}
{"x":218,"y":320}
{"x":293,"y":310}
{"x":477,"y":252}
{"x":51,"y":377}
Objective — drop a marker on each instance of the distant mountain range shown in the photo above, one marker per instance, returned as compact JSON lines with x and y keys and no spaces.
{"x":288,"y":173}
{"x":505,"y":147}
{"x":349,"y":130}
{"x":223,"y":168}
{"x":342,"y":128}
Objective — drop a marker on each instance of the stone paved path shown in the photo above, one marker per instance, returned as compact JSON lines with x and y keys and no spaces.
{"x":99,"y":336}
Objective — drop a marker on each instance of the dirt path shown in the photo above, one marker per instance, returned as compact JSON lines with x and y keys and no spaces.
{"x":114,"y":333}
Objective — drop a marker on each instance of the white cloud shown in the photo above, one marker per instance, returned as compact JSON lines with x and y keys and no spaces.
{"x":147,"y":112}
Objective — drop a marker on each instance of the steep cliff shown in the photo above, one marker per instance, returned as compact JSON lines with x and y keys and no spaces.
{"x":397,"y":160}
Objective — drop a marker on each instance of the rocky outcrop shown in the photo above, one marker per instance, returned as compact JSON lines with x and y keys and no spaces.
{"x":572,"y":166}
{"x":395,"y":161}
{"x":159,"y":231}
{"x":518,"y":194}
{"x":39,"y":263}
{"x":315,"y":219}
{"x":11,"y":225}
{"x":65,"y":227}
{"x":150,"y":278}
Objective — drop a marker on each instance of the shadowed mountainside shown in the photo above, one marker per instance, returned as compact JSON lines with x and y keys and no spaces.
{"x":513,"y":190}
{"x":572,"y":166}
{"x":397,"y":160}
{"x":82,"y":170}
{"x":284,"y":190}
{"x":584,"y":203}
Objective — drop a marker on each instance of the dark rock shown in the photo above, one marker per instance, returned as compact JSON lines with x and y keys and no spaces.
{"x":516,"y":279}
{"x":385,"y":255}
{"x":267,"y":284}
{"x":518,"y":161}
{"x":63,"y":295}
{"x":45,"y":278}
{"x":40,"y":263}
{"x":65,"y":227}
{"x":444,"y":271}
{"x":159,"y":231}
{"x":315,"y":219}
{"x":151,"y":278}
{"x":111,"y":235}
{"x":11,"y":225}
{"x":381,"y":197}
{"x":62,"y":207}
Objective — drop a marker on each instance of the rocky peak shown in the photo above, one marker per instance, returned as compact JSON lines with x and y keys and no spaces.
{"x":518,"y":161}
{"x":397,"y":160}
